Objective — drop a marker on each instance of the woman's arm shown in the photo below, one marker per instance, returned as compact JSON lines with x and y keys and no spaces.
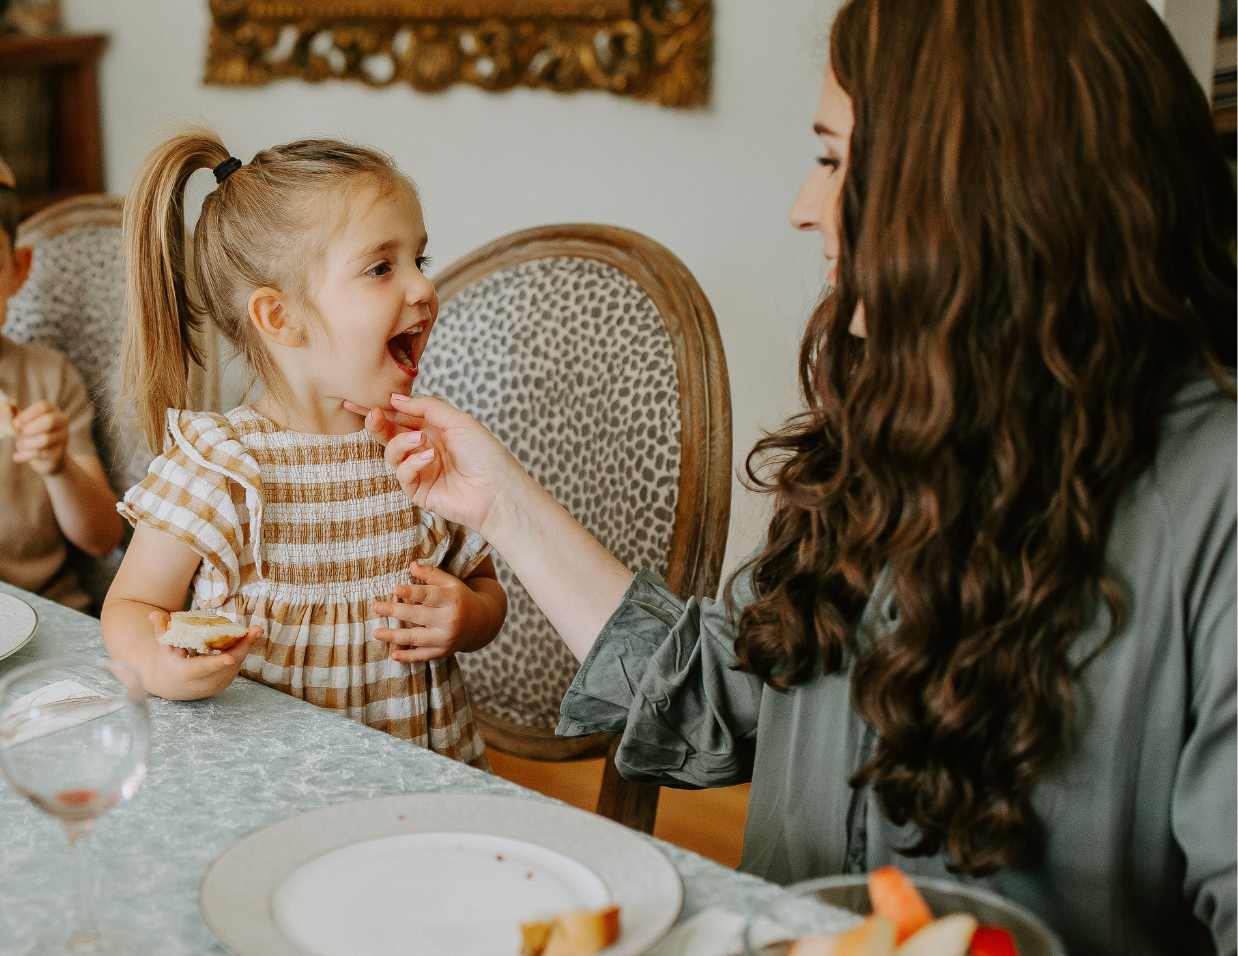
{"x":153,"y":581}
{"x":449,"y":463}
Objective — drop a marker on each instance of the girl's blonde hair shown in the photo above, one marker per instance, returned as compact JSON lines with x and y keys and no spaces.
{"x":256,"y":229}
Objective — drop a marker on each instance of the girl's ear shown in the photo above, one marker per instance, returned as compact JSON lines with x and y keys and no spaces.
{"x":269,"y":311}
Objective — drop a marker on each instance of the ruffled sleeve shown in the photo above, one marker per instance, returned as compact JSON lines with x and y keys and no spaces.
{"x":660,"y":674}
{"x":206,"y":491}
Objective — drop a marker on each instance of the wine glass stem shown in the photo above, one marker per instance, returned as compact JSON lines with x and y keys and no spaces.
{"x":85,"y":930}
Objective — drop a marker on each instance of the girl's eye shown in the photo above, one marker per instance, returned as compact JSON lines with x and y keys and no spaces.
{"x":423,"y":261}
{"x":379,"y":269}
{"x":829,"y":161}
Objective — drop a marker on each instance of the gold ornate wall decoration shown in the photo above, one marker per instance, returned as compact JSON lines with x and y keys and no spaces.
{"x":655,"y":50}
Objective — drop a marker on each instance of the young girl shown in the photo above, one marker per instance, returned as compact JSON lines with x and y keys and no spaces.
{"x":283,"y":514}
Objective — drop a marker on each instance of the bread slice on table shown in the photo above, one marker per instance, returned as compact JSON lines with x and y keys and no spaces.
{"x":8,"y":411}
{"x":572,"y":934}
{"x":203,"y":631}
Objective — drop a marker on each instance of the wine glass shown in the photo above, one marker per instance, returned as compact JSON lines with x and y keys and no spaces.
{"x":74,"y":740}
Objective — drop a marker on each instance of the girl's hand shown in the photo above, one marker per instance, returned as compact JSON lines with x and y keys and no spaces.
{"x":444,"y":615}
{"x":174,"y":675}
{"x":446,"y":461}
{"x":42,"y":438}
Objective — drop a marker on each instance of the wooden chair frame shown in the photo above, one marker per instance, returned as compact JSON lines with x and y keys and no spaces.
{"x":699,"y":532}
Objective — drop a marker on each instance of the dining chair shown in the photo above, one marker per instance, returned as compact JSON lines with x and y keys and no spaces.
{"x":592,"y":354}
{"x":74,"y":302}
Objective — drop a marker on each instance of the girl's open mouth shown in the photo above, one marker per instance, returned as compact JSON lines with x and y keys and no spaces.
{"x":402,"y":350}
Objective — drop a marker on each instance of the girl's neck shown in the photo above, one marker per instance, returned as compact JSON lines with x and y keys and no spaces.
{"x":314,"y":418}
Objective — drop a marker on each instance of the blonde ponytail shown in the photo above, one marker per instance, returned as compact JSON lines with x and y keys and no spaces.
{"x":161,"y":321}
{"x":264,"y":225}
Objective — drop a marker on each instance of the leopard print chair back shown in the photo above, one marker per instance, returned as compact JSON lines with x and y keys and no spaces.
{"x":592,"y":354}
{"x":74,"y":302}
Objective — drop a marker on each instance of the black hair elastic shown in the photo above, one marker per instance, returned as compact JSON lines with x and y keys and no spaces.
{"x":226,"y":169}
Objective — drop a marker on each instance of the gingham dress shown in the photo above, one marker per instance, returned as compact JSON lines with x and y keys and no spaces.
{"x":301,"y":534}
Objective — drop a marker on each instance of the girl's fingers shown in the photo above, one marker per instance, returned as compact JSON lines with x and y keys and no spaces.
{"x":408,"y":613}
{"x":161,"y":620}
{"x":416,"y":594}
{"x":434,"y":577}
{"x":357,"y":409}
{"x":417,"y":655}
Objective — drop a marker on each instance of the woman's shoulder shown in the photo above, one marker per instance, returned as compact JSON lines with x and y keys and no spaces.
{"x":1198,"y":444}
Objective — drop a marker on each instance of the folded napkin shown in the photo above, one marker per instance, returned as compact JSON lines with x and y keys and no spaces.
{"x":716,"y":932}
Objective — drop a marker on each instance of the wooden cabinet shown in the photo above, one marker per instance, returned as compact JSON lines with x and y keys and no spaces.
{"x":49,"y":115}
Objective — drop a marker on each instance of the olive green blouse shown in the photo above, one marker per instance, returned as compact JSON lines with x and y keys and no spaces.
{"x":1141,"y":815}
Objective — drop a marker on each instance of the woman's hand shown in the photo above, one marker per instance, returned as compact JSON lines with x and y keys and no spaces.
{"x":447,"y":461}
{"x":443,"y":614}
{"x":172,"y":674}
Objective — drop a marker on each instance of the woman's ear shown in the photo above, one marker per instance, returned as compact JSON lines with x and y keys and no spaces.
{"x":268,"y":310}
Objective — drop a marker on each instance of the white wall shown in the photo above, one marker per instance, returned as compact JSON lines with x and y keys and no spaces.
{"x":714,"y":186}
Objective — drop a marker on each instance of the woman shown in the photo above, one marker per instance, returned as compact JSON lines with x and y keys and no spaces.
{"x":991,"y":629}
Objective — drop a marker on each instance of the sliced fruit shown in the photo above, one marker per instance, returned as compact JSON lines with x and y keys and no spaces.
{"x":873,"y":937}
{"x":536,"y":935}
{"x":993,"y":941}
{"x":894,"y":897}
{"x":583,"y":932}
{"x":818,"y":944}
{"x":948,"y":936}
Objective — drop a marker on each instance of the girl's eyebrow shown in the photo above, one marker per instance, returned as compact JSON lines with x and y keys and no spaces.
{"x":822,"y":130}
{"x":386,"y":246}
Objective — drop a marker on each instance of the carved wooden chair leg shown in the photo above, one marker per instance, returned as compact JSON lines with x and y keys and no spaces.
{"x":632,"y":804}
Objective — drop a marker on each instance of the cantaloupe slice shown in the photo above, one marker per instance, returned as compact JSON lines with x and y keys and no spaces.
{"x":948,"y":936}
{"x":896,"y":898}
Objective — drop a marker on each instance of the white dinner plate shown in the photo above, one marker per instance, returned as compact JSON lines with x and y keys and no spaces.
{"x":17,"y":624}
{"x":433,"y":875}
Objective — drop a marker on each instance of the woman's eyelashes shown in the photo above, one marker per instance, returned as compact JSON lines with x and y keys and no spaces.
{"x":831,"y":162}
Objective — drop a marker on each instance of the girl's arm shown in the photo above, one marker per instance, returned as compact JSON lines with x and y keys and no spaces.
{"x":153,"y":581}
{"x":445,"y":614}
{"x":449,"y":463}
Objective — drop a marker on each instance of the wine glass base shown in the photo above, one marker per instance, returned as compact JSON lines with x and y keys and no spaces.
{"x":105,"y":943}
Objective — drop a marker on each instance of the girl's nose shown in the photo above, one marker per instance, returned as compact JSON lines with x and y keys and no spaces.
{"x":420,"y":289}
{"x":806,"y":210}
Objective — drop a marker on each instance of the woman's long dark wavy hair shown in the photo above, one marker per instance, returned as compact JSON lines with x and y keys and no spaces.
{"x":1039,"y":221}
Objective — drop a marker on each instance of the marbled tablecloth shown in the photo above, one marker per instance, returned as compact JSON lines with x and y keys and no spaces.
{"x":219,"y":769}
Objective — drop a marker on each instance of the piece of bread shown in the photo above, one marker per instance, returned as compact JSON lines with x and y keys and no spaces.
{"x":572,"y":934}
{"x":203,"y":631}
{"x":8,"y":410}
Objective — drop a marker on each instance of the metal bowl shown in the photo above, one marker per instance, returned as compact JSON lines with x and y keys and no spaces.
{"x":812,"y":906}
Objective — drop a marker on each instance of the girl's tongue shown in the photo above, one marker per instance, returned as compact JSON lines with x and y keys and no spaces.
{"x":401,"y":349}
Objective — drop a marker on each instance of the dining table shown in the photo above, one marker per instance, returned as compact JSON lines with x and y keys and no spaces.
{"x":220,"y":769}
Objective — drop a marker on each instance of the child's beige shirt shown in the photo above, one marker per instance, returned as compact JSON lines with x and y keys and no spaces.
{"x":302,"y":533}
{"x":33,"y":552}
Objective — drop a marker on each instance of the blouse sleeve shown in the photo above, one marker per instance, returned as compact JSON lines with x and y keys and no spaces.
{"x":660,"y":674}
{"x":200,"y":491}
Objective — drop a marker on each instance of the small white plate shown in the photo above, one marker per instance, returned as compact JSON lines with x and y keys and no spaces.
{"x":17,"y":624}
{"x":433,"y":875}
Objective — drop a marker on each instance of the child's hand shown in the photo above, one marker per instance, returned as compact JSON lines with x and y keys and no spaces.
{"x":444,"y":615}
{"x":174,"y":675}
{"x":42,"y":438}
